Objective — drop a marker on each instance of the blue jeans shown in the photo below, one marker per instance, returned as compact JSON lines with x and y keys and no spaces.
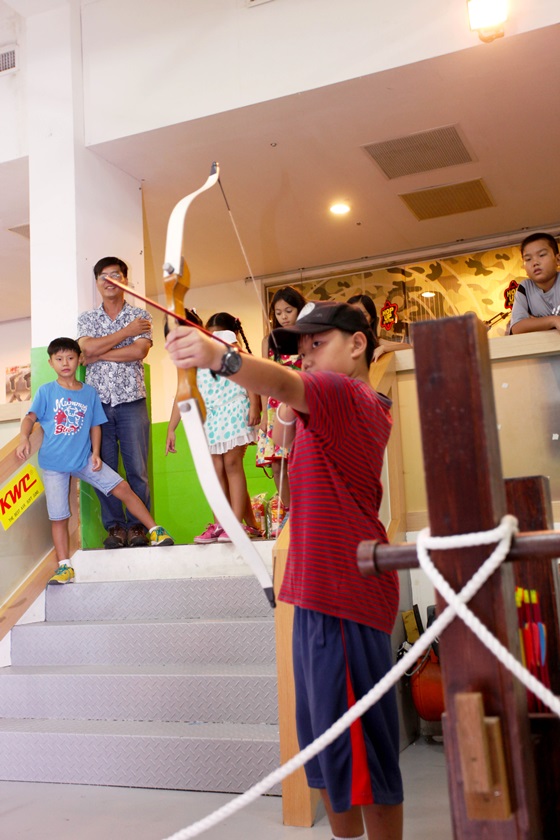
{"x":128,"y":429}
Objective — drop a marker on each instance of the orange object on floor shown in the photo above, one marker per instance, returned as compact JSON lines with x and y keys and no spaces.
{"x":427,"y":689}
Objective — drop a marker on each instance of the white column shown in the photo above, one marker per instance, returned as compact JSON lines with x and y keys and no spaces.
{"x":81,"y":207}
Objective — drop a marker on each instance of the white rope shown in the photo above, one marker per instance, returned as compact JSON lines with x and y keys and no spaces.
{"x":502,"y":535}
{"x":457,"y":605}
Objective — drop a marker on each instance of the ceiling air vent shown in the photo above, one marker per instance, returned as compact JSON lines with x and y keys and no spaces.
{"x":445,"y":201}
{"x":8,"y":59}
{"x":420,"y":152}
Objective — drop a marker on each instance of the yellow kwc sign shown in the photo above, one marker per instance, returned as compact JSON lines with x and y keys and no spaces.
{"x":18,"y":494}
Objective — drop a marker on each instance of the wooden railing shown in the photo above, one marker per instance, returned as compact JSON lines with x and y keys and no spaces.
{"x":383,"y":377}
{"x":27,"y":589}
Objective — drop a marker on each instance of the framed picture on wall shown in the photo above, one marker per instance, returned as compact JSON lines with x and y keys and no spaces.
{"x":18,"y":383}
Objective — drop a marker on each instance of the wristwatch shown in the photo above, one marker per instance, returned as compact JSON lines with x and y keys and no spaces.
{"x":231,"y":362}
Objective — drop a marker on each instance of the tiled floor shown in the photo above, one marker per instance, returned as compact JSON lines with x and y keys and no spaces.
{"x":67,"y":812}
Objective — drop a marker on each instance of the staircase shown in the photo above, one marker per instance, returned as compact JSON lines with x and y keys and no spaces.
{"x":157,"y":683}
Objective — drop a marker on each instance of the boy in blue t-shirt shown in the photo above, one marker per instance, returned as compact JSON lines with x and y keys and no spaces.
{"x":71,"y":416}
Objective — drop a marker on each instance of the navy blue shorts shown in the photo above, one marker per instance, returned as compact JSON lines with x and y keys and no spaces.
{"x":336,"y":662}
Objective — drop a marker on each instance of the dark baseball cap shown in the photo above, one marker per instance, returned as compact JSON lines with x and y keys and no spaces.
{"x":317,"y":317}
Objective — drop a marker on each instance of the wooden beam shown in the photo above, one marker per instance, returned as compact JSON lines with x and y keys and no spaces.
{"x":299,"y":801}
{"x":465,"y":491}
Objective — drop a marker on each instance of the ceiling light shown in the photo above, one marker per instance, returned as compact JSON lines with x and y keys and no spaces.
{"x":428,"y":294}
{"x":487,"y":17}
{"x":340,"y":209}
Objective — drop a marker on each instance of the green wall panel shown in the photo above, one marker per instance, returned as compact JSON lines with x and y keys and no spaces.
{"x":179,"y":503}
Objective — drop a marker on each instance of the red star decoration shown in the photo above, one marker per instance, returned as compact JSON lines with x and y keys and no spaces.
{"x":388,"y":315}
{"x":509,"y":294}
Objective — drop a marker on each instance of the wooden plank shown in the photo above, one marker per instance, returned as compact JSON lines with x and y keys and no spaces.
{"x":26,"y":593}
{"x":474,"y":752}
{"x":299,"y":801}
{"x":483,"y":765}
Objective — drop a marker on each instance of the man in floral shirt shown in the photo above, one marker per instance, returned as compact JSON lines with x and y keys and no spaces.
{"x":115,"y":339}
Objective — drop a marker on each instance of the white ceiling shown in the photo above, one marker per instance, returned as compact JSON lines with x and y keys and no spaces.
{"x":285,"y":161}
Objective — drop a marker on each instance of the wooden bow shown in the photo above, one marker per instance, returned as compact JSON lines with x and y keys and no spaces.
{"x":176,"y":279}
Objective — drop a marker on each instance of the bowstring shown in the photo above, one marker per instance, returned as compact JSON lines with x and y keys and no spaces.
{"x":271,"y":333}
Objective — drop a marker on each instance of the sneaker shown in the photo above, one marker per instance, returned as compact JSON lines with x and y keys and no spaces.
{"x":224,"y":537}
{"x":137,"y":536}
{"x":116,"y":537}
{"x":64,"y":574}
{"x":253,"y":533}
{"x":159,"y":536}
{"x":210,"y":535}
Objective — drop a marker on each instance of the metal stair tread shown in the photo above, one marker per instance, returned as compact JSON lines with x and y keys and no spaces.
{"x":251,"y":732}
{"x":237,"y":597}
{"x":186,"y":669}
{"x":141,"y":622}
{"x":128,"y":687}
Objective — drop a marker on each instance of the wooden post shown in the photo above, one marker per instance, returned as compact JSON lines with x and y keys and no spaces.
{"x":466,"y":493}
{"x":529,"y":500}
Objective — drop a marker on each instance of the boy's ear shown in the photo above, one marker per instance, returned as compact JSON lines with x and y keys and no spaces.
{"x":50,"y":361}
{"x":359,"y":344}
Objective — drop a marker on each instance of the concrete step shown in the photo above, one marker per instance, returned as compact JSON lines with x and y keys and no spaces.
{"x":144,"y":643}
{"x":178,"y":561}
{"x":210,"y":598}
{"x":179,"y":756}
{"x":183,"y":693}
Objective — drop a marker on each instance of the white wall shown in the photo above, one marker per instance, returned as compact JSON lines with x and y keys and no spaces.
{"x":155,"y":64}
{"x":13,"y":133}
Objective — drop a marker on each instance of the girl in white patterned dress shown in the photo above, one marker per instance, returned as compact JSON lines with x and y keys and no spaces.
{"x":232,"y":418}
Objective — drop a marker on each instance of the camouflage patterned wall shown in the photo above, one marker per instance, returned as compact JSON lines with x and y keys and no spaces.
{"x":468,"y":283}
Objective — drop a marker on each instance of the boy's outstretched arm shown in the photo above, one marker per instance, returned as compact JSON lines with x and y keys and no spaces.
{"x":24,"y":447}
{"x":190,"y":348}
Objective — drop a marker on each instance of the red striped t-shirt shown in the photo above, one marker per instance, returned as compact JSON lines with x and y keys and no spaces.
{"x":335,"y":466}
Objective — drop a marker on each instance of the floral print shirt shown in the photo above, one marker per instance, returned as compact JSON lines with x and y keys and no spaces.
{"x":115,"y":382}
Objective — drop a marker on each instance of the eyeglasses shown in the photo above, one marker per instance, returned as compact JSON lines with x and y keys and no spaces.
{"x":114,"y":275}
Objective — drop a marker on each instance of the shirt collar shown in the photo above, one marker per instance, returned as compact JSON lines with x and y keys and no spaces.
{"x":102,"y":309}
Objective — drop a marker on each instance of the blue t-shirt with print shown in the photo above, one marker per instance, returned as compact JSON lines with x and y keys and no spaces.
{"x":66,"y":417}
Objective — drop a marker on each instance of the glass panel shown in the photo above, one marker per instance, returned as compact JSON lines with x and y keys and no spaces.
{"x":527,"y":394}
{"x":527,"y":397}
